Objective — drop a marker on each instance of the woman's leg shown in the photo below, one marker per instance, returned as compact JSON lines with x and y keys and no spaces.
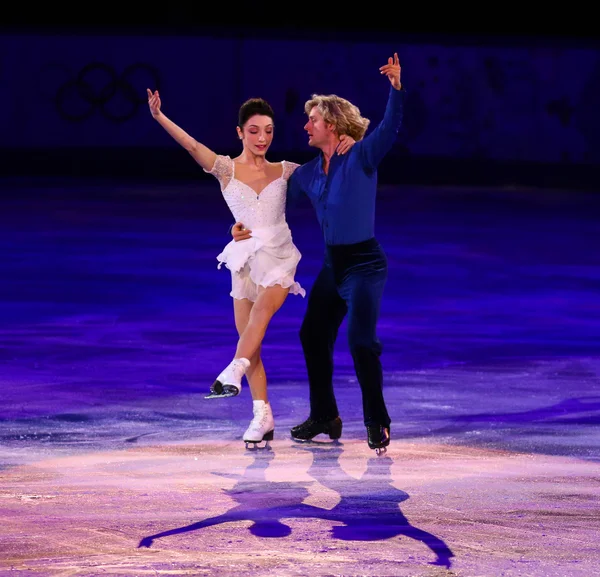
{"x":257,"y":379}
{"x":268,"y":302}
{"x":252,"y":320}
{"x":261,"y":426}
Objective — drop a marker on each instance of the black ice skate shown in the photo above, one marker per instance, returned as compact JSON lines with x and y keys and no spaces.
{"x":378,"y":438}
{"x":311,"y":428}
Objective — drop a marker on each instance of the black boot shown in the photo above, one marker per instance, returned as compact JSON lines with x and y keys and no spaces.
{"x":311,"y":428}
{"x":378,"y":438}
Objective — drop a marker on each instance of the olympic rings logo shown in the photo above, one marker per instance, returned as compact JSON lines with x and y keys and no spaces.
{"x":97,"y":87}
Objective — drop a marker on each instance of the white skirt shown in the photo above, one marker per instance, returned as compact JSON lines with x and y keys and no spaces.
{"x":268,"y":258}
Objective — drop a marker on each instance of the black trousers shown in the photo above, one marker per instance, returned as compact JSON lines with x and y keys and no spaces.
{"x":351,"y":282}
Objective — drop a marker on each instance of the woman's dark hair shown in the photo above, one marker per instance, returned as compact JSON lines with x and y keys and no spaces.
{"x":254,"y":106}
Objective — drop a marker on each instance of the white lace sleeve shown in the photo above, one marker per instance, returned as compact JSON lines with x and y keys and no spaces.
{"x":288,"y":169}
{"x":222,"y":170}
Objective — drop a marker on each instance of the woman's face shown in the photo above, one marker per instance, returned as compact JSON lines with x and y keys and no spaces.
{"x":257,"y":134}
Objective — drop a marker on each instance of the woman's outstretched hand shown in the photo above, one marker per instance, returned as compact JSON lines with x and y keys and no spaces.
{"x":153,"y":102}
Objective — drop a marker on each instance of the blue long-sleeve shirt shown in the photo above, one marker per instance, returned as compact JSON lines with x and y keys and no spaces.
{"x":344,"y":198}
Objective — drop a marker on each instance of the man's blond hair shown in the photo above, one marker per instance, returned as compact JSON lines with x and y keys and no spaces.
{"x":342,"y":114}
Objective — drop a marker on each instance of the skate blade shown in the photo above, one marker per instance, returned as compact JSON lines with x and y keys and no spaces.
{"x":219,"y":391}
{"x":266,"y":439}
{"x":256,"y":445}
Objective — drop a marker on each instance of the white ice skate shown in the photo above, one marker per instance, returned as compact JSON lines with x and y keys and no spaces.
{"x":229,"y":382}
{"x":262,"y":425}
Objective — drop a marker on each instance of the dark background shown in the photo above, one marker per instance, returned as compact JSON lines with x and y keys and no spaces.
{"x":492,"y":99}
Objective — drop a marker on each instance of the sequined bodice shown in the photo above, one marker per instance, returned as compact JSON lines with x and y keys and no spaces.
{"x":254,"y":210}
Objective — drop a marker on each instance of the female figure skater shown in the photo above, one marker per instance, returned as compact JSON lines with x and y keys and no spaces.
{"x":262,"y":267}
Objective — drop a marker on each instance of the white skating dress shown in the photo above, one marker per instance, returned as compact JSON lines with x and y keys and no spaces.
{"x":269,"y":257}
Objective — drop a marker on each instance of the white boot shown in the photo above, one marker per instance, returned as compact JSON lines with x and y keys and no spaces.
{"x":262,"y":425}
{"x":229,"y":382}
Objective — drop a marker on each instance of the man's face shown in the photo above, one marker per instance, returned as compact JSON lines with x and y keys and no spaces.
{"x":319,"y":132}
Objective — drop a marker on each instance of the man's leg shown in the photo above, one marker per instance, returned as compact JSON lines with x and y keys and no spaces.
{"x":363,"y":291}
{"x":324,"y":315}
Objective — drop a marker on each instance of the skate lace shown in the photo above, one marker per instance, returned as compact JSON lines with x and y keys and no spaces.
{"x":260,"y":419}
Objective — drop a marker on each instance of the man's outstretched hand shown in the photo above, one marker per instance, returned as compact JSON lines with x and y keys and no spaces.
{"x":392,"y":71}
